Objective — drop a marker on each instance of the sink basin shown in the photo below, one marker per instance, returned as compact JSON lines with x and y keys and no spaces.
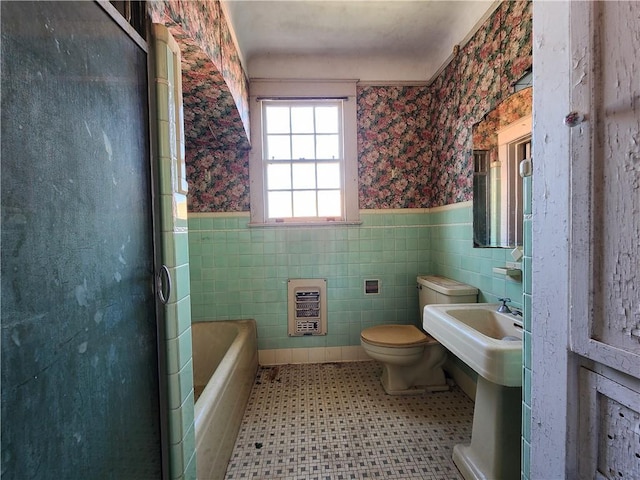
{"x":488,"y":341}
{"x":491,"y":344}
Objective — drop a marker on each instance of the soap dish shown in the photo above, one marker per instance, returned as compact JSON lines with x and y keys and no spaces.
{"x":511,"y":269}
{"x":510,"y":272}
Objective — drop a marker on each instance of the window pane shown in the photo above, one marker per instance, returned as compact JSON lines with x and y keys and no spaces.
{"x":329,"y":175}
{"x":277,"y":119}
{"x":329,"y":203}
{"x":302,"y":119}
{"x":303,"y":159}
{"x":279,"y":204}
{"x":328,"y":147}
{"x":278,"y":147}
{"x":304,"y":176}
{"x":279,"y":176}
{"x":327,"y":120}
{"x":304,"y":204}
{"x":302,"y":146}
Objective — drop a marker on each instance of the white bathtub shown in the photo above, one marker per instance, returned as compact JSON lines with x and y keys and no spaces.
{"x":225,"y":362}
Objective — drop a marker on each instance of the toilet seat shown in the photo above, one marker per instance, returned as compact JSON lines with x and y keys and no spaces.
{"x":395,"y":336}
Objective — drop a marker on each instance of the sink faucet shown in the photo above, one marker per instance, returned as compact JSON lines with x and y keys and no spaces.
{"x":504,"y":308}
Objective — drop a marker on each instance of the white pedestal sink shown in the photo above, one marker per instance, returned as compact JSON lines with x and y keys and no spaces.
{"x":491,"y":344}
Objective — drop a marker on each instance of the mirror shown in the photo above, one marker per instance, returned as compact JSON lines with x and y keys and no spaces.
{"x":501,"y":140}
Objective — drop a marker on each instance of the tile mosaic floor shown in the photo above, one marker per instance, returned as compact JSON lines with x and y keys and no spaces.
{"x":334,"y":421}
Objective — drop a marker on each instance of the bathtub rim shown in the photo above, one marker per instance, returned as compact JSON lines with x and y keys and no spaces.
{"x":245,"y":328}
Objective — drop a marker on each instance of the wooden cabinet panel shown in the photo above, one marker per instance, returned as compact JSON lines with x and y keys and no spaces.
{"x":610,"y":422}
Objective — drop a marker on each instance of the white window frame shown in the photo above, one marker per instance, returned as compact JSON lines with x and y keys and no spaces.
{"x":300,"y":90}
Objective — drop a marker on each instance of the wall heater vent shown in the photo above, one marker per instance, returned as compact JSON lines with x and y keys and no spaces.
{"x":307,"y":301}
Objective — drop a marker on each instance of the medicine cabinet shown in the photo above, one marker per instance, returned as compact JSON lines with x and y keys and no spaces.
{"x":501,"y":141}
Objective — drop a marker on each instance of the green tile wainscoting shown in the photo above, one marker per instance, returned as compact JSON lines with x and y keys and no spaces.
{"x":238,"y":271}
{"x":175,"y":255}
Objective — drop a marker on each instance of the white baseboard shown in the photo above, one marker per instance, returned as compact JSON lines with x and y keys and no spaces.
{"x":283,"y":356}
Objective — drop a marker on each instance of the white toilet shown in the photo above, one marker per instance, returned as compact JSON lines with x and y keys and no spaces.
{"x":411,"y":359}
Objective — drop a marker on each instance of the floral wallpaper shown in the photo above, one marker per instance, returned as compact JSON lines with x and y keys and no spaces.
{"x":479,"y":78}
{"x":393,"y":141}
{"x":204,"y":23}
{"x":518,"y":105}
{"x":215,"y":103}
{"x":216,"y":146}
{"x":414,"y":142}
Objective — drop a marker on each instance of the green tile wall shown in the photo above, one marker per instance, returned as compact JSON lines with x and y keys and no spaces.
{"x":175,"y":255}
{"x":242,"y":272}
{"x":452,"y":255}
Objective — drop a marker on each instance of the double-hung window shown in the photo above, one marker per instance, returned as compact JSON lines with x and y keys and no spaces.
{"x":303,"y":160}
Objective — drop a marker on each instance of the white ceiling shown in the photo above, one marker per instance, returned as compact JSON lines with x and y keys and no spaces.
{"x":370,"y":40}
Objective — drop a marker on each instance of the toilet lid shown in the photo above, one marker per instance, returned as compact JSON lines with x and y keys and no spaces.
{"x":394,"y":335}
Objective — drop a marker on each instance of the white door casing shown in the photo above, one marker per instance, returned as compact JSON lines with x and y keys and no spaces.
{"x":605,"y":235}
{"x":586,"y":236}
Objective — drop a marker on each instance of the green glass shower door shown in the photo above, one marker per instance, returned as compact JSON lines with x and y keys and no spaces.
{"x":80,"y":391}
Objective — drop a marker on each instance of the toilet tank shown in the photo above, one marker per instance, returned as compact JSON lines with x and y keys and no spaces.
{"x":435,"y":289}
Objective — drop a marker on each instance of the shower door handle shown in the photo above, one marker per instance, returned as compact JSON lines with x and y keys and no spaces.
{"x":163,"y":282}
